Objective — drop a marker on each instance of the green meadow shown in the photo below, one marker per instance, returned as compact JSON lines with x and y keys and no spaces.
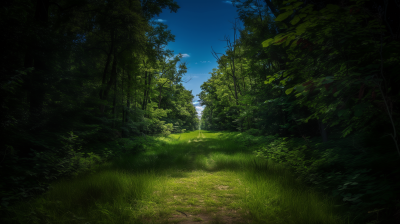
{"x":195,"y":177}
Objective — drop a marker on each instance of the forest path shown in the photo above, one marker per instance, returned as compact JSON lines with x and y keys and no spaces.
{"x":213,"y":178}
{"x":203,"y":194}
{"x":196,"y":177}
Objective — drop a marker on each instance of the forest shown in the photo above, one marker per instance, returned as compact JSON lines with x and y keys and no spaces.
{"x":300,"y":121}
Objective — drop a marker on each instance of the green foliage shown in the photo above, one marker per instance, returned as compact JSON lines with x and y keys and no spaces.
{"x":322,"y":87}
{"x":23,"y":177}
{"x":316,"y":71}
{"x":96,"y":70}
{"x":336,"y":167}
{"x":104,"y":75}
{"x":153,"y":185}
{"x":254,"y":132}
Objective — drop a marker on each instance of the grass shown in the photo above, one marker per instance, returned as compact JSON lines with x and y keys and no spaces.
{"x":196,"y":177}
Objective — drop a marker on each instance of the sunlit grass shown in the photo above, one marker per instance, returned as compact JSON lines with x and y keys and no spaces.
{"x":198,"y":177}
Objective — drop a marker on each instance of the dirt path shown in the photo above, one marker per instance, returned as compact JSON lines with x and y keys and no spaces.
{"x":201,"y":196}
{"x":204,"y":207}
{"x":196,"y":177}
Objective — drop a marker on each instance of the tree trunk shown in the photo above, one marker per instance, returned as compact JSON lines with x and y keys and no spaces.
{"x":144,"y":92}
{"x":322,"y":128}
{"x":114,"y":110}
{"x":112,"y":80}
{"x":122,"y":96}
{"x":35,"y":58}
{"x":128,"y":98}
{"x":234,"y":84}
{"x":148,"y":91}
{"x":108,"y":61}
{"x":135,"y":91}
{"x":159,"y":98}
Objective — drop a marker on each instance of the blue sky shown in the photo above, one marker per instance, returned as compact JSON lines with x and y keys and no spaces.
{"x":199,"y":25}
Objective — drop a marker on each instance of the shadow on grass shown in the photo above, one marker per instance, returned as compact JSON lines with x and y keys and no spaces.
{"x":198,"y":154}
{"x":117,"y":193}
{"x":274,"y":191}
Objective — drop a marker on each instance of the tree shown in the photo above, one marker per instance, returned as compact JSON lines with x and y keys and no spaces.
{"x":84,"y":68}
{"x":169,"y":74}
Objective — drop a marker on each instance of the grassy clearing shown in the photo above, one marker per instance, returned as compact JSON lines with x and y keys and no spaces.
{"x":197,"y":177}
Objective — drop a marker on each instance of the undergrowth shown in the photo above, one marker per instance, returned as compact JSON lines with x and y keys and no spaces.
{"x":197,"y":176}
{"x":25,"y":176}
{"x":359,"y":172}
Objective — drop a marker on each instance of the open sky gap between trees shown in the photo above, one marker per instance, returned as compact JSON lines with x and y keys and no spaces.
{"x":308,"y":87}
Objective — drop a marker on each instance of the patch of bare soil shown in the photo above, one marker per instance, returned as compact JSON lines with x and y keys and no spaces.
{"x":222,"y":187}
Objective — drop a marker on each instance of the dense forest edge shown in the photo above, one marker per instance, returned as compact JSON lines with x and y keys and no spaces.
{"x":311,"y":84}
{"x":320,"y":79}
{"x":79,"y":77}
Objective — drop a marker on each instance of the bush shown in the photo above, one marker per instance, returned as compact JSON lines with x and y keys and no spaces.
{"x":338,"y":168}
{"x":23,"y":177}
{"x":132,"y":145}
{"x":254,"y":132}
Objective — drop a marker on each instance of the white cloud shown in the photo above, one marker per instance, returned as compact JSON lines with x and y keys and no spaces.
{"x":161,"y":20}
{"x":199,"y":109}
{"x":184,"y":55}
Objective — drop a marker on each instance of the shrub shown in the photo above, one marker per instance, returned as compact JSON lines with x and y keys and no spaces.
{"x":338,"y":168}
{"x":23,"y":177}
{"x":254,"y":132}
